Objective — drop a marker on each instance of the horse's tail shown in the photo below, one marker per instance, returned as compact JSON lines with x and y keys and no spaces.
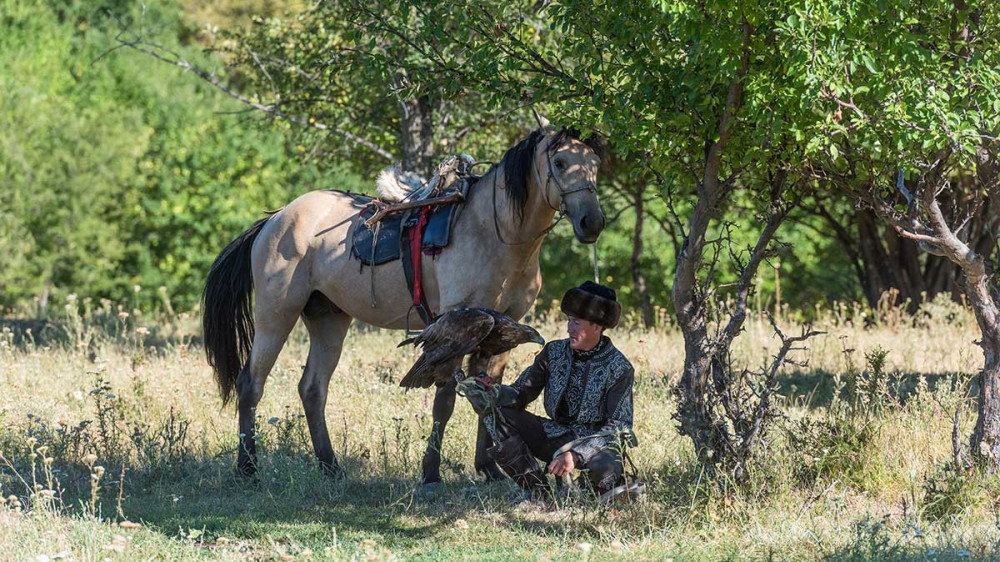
{"x":227,"y":317}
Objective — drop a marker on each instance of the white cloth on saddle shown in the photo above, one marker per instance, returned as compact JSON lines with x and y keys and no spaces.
{"x":395,"y":185}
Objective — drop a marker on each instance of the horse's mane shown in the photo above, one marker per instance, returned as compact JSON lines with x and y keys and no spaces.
{"x":517,"y":162}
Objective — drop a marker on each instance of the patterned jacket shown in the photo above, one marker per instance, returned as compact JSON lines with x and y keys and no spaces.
{"x":601,"y":401}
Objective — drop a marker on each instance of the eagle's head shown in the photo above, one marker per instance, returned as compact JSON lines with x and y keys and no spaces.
{"x":527,"y":334}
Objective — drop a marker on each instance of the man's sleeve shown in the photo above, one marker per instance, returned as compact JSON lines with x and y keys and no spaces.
{"x":619,"y":404}
{"x":532,"y":381}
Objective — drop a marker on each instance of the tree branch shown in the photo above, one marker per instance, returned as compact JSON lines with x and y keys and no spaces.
{"x":168,"y":56}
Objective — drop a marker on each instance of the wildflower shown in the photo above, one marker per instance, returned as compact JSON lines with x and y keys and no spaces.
{"x":71,"y":297}
{"x":136,"y":288}
{"x":122,"y":315}
{"x":142,"y":330}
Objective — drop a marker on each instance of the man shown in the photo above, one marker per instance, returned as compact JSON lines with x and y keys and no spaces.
{"x":588,"y":401}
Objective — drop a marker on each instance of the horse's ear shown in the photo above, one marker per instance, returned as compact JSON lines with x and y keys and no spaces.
{"x":543,"y":123}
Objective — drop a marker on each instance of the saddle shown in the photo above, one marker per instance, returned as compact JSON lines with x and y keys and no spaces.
{"x":382,"y":242}
{"x":385,"y":232}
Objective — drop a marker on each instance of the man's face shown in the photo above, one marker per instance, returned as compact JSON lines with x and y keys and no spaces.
{"x":583,"y":334}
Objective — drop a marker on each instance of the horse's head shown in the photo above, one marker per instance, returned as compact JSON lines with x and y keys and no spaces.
{"x":565,"y":169}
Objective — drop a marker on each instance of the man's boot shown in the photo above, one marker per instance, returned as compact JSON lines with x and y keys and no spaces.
{"x":514,"y":457}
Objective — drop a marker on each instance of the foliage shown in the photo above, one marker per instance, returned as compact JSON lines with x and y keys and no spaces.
{"x":116,"y":172}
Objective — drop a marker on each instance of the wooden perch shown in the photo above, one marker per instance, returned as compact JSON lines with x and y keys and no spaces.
{"x":397,"y":207}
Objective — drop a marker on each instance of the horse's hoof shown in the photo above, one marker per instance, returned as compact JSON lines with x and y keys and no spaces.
{"x":429,"y":489}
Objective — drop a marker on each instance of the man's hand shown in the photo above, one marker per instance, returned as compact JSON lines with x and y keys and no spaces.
{"x":563,"y":464}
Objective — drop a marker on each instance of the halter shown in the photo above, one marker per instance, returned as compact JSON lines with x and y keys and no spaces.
{"x":563,"y":192}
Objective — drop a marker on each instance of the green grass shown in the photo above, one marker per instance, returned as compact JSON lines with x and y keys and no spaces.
{"x":841,"y":482}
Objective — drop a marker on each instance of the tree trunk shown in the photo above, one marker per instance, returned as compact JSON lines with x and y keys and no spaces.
{"x":880,"y":273}
{"x":983,"y":298}
{"x":638,"y":280}
{"x":417,"y":135}
{"x":689,"y":302}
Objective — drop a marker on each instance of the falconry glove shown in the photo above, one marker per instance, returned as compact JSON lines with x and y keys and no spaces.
{"x":485,"y":396}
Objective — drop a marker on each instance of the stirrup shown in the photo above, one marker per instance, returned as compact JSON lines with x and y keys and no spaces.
{"x":628,"y":491}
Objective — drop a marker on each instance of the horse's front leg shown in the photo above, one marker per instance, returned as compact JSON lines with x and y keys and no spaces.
{"x":444,"y":405}
{"x":484,"y":462}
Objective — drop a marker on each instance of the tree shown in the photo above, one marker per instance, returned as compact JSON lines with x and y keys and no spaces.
{"x":116,"y":175}
{"x":338,"y":73}
{"x":910,"y":95}
{"x":687,"y":92}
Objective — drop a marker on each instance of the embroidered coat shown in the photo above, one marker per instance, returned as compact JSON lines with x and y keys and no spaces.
{"x":585,"y":393}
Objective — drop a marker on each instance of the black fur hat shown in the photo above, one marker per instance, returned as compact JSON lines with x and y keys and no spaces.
{"x":593,"y":302}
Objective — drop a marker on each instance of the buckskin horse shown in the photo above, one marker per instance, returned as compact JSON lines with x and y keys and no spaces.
{"x":300,"y":264}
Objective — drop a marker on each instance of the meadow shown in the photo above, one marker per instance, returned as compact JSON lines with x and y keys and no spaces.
{"x":113,"y":446}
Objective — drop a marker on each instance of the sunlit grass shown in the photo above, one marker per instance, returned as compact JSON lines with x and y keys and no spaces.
{"x":123,"y":395}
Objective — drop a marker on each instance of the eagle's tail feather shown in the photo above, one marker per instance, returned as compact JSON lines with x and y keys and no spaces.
{"x":414,"y":377}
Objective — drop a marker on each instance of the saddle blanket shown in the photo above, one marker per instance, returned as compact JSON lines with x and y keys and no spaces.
{"x":382,"y":242}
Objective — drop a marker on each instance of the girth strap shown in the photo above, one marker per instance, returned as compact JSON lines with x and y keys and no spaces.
{"x":412,"y":267}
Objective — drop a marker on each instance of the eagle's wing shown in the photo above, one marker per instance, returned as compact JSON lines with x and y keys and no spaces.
{"x":503,"y":337}
{"x":451,"y":337}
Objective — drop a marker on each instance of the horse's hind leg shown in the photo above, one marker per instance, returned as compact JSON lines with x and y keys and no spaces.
{"x":269,"y":337}
{"x":484,"y":463}
{"x":327,"y":328}
{"x":444,"y":405}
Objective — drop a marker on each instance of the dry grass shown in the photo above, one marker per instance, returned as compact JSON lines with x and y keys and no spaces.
{"x":143,"y":400}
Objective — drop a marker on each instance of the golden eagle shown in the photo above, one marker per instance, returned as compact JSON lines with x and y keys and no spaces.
{"x":480,"y":333}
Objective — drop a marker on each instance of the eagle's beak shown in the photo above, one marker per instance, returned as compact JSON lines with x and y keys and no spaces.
{"x":538,"y":339}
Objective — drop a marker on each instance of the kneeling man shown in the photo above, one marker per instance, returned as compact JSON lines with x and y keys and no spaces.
{"x":588,"y":402}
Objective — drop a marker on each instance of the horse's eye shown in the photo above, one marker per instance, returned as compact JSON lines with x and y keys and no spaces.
{"x":560,"y":164}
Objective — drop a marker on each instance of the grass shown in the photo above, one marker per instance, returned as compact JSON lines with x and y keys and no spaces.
{"x":859,"y":470}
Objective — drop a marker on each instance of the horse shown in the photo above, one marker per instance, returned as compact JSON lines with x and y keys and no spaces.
{"x":299,"y":263}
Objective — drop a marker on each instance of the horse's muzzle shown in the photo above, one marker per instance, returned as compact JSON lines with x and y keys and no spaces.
{"x":589,"y":227}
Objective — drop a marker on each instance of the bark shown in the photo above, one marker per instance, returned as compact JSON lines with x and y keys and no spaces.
{"x":982,"y":297}
{"x":638,"y":280}
{"x":417,"y":135}
{"x":692,"y":390}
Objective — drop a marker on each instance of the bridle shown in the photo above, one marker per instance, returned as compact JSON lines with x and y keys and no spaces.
{"x":563,"y":192}
{"x":561,"y":209}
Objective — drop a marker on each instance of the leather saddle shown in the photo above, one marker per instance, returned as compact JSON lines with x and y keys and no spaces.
{"x":382,"y":242}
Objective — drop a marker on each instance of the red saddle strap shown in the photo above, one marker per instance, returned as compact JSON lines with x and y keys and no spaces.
{"x":416,"y":234}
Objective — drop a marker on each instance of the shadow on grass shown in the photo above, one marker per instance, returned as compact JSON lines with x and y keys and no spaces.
{"x":816,"y":389}
{"x":291,"y":501}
